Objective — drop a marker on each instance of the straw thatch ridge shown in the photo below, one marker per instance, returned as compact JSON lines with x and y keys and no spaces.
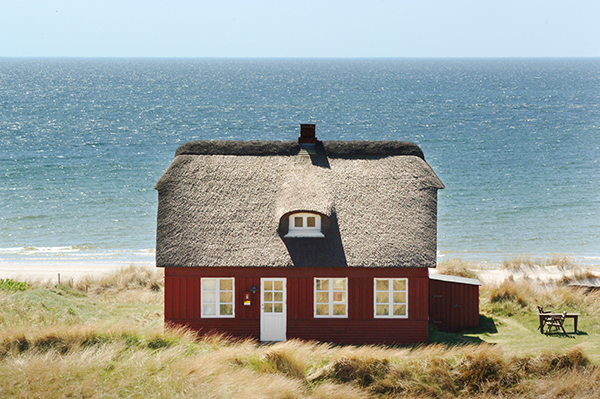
{"x":248,"y":148}
{"x":227,"y":204}
{"x":333,"y":149}
{"x":376,"y":149}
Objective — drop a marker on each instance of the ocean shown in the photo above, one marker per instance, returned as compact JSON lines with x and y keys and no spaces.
{"x":83,"y":141}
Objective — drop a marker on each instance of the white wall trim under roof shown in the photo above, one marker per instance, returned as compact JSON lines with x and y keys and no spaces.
{"x":453,"y":279}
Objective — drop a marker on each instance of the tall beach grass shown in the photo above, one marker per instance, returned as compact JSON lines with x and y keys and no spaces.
{"x":104,"y":337}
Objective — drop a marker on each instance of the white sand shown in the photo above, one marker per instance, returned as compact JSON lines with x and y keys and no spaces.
{"x":74,"y":271}
{"x":67,"y":270}
{"x":536,"y":274}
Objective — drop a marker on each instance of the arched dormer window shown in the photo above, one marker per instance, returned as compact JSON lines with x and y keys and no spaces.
{"x":303,"y":224}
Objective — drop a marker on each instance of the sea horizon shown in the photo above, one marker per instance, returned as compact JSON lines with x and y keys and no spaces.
{"x":407,"y":58}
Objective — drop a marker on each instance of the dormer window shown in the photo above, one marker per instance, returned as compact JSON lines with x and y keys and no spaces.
{"x":304,"y":225}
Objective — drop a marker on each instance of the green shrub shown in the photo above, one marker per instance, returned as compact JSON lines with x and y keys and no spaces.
{"x":8,"y":284}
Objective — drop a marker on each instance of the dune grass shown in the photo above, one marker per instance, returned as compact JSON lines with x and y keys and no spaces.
{"x":457,"y":267}
{"x":104,"y":337}
{"x":517,"y":263}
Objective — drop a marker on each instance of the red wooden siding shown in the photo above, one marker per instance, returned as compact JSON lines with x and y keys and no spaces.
{"x":453,"y":306}
{"x":182,"y":304}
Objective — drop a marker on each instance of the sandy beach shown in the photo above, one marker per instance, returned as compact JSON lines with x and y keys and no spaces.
{"x":68,"y":270}
{"x":491,"y":274}
{"x":535,"y":274}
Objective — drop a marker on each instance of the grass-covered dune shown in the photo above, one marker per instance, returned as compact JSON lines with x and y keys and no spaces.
{"x":104,"y":337}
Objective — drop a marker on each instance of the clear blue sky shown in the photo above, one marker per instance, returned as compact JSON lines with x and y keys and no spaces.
{"x":300,"y":28}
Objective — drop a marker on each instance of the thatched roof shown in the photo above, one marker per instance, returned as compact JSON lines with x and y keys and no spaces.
{"x":225,"y":203}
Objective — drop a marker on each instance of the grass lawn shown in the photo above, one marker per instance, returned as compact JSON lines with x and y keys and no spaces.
{"x":520,"y":335}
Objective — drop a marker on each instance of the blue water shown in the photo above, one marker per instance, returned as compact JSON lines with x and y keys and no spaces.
{"x":83,"y":141}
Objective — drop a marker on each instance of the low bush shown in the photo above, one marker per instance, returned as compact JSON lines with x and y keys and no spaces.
{"x":8,"y":284}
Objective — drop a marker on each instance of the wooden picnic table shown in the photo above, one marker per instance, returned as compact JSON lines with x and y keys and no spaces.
{"x":546,"y":316}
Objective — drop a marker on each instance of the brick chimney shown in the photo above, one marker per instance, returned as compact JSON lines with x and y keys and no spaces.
{"x":307,"y":135}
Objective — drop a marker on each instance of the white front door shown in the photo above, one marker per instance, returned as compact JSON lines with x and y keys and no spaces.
{"x":273,"y":312}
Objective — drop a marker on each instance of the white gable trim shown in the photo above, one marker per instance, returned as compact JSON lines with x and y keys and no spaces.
{"x":454,"y":279}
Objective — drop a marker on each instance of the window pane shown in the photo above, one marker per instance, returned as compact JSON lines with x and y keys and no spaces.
{"x":278,"y":296}
{"x":322,"y":284}
{"x":217,"y":297}
{"x":399,"y":297}
{"x":268,"y":307}
{"x":298,"y":221}
{"x":310,"y":221}
{"x":226,"y":284}
{"x":209,"y":310}
{"x":382,"y":285}
{"x":339,"y":297}
{"x":209,"y":284}
{"x":323,"y":310}
{"x":339,"y":284}
{"x":226,"y":297}
{"x":382,"y":310}
{"x":226,"y":310}
{"x":339,"y":310}
{"x":268,"y":285}
{"x":278,"y":308}
{"x":399,"y":310}
{"x":209,"y":297}
{"x":278,"y":285}
{"x":399,"y":285}
{"x":382,"y":297}
{"x":268,"y":295}
{"x":322,"y":297}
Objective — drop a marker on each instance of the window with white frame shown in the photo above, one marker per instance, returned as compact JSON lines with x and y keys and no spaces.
{"x":391,"y":297}
{"x":304,"y":225}
{"x":217,"y":297}
{"x":331,"y":299}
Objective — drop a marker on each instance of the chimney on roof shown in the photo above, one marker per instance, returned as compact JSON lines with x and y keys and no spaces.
{"x":307,"y":135}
